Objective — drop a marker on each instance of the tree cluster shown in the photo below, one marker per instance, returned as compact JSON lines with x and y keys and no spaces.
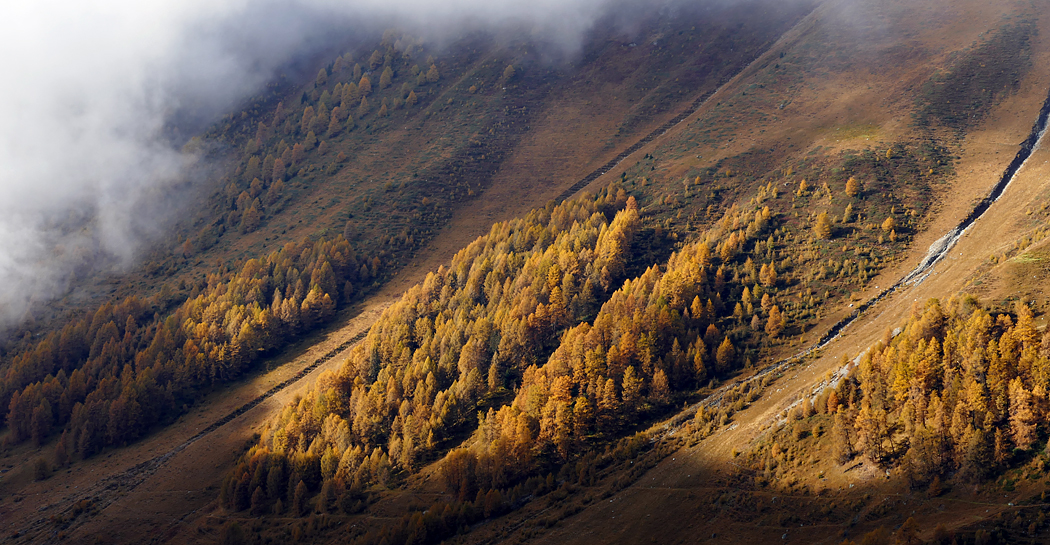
{"x":533,"y":339}
{"x":960,"y":390}
{"x":276,"y":146}
{"x":107,"y":379}
{"x":455,"y":341}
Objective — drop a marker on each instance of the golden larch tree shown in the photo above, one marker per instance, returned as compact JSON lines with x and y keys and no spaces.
{"x":852,"y":187}
{"x":822,"y":227}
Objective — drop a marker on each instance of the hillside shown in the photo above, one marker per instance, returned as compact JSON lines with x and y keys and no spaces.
{"x":603,"y":365}
{"x":386,"y":177}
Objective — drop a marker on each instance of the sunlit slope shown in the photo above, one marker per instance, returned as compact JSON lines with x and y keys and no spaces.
{"x":901,"y":175}
{"x":690,"y":494}
{"x":394,"y":220}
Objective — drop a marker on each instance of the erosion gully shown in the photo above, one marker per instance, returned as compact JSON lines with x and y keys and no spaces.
{"x":937,"y":251}
{"x":107,"y":490}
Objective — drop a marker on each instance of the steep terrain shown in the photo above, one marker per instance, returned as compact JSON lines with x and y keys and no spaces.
{"x":828,"y":502}
{"x":461,"y":162}
{"x":612,"y":368}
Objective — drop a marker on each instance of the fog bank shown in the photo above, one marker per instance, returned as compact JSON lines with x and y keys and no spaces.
{"x":86,"y":175}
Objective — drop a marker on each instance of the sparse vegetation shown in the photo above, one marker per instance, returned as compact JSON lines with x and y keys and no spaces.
{"x":961,"y":96}
{"x":565,"y":354}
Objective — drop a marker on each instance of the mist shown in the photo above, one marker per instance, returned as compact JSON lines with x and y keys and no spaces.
{"x":89,"y":173}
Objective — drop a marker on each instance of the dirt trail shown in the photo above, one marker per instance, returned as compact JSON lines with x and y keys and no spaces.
{"x":182,"y":472}
{"x":980,"y":222}
{"x":126,"y":469}
{"x":659,"y":496}
{"x":936,"y":252}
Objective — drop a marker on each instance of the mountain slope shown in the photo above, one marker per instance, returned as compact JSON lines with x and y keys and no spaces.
{"x":796,"y":190}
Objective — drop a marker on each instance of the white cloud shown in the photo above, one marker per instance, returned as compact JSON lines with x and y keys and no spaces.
{"x":87,"y":86}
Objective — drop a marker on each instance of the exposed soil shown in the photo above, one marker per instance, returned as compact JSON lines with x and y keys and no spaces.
{"x":683,"y":499}
{"x":663,"y":505}
{"x":173,"y":475}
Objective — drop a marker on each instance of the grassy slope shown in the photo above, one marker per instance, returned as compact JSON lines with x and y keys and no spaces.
{"x":828,"y":95}
{"x":697,"y":490}
{"x":407,"y":175}
{"x":528,"y":138}
{"x":817,"y":148}
{"x":654,"y":81}
{"x":816,"y":132}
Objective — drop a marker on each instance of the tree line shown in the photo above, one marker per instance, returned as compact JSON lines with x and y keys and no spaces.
{"x":108,"y":378}
{"x":535,"y":343}
{"x":278,"y":145}
{"x":960,"y":392}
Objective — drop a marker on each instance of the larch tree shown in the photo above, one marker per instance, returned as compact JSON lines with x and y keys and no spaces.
{"x":299,"y":497}
{"x":775,"y":322}
{"x":822,"y":227}
{"x":661,"y":389}
{"x":432,"y":74}
{"x":251,"y":218}
{"x":338,"y":113}
{"x":252,"y":169}
{"x":273,"y":194}
{"x":307,"y":120}
{"x":852,"y":187}
{"x":320,"y":121}
{"x":767,"y":275}
{"x":286,"y":154}
{"x":699,"y":361}
{"x":278,"y":169}
{"x":632,"y":389}
{"x":375,"y":60}
{"x":1022,"y":415}
{"x":726,"y":355}
{"x":278,"y":113}
{"x":349,"y":97}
